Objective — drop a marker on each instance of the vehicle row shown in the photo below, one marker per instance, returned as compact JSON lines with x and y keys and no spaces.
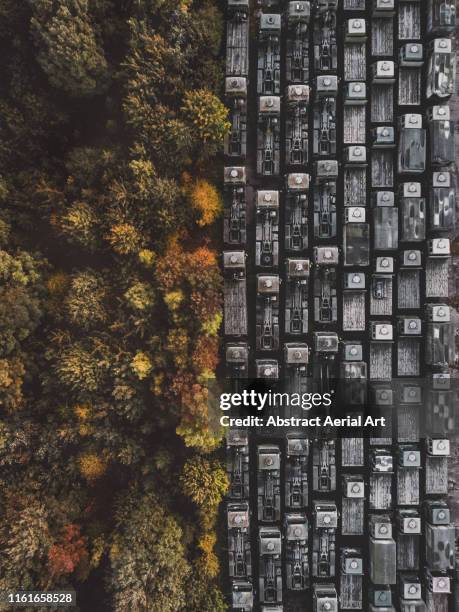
{"x":284,"y":474}
{"x":408,"y":215}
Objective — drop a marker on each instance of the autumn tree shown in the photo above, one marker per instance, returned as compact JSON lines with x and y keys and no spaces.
{"x":124,"y":238}
{"x":92,"y":466}
{"x":65,"y":555}
{"x":204,"y":482}
{"x":206,"y":201}
{"x":207,"y":116}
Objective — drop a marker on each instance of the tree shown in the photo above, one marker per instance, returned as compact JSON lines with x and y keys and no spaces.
{"x":151,"y":65}
{"x":205,"y":355}
{"x":79,"y":224}
{"x":24,"y":541}
{"x":147,"y":561}
{"x":125,"y":238}
{"x":92,"y":466}
{"x":206,"y":201}
{"x":207,"y":116}
{"x":141,"y":365}
{"x":11,"y":379}
{"x":85,"y":300}
{"x":65,"y":555}
{"x":208,"y":561}
{"x":21,"y":298}
{"x":20,"y":314}
{"x":80,"y":368}
{"x":203,"y":595}
{"x":140,"y":296}
{"x":204,"y":482}
{"x":68,"y":50}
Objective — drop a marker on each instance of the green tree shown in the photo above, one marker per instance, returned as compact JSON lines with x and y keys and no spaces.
{"x":11,"y":379}
{"x":80,"y":367}
{"x":148,"y":568}
{"x":79,"y":224}
{"x":21,"y":298}
{"x":20,"y":314}
{"x":207,"y":116}
{"x":68,"y":49}
{"x":24,"y":541}
{"x":203,"y":595}
{"x":204,"y":482}
{"x":85,"y":300}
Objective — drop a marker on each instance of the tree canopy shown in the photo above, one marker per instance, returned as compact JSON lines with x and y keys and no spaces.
{"x":110,"y":300}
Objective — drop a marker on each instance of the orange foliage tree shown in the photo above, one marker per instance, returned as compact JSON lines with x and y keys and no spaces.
{"x":206,"y":201}
{"x":68,"y":553}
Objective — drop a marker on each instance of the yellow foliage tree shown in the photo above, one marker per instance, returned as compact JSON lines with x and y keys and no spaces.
{"x":82,"y":412}
{"x":206,"y":201}
{"x":174,"y":299}
{"x":147,"y":257}
{"x":207,"y":114}
{"x":124,"y":238}
{"x":141,"y":365}
{"x":208,"y":561}
{"x":211,"y":326}
{"x":205,"y":482}
{"x":91,"y":466}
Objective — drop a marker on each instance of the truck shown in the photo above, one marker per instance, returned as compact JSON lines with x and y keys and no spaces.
{"x":296,"y":551}
{"x":324,"y":539}
{"x":442,"y":203}
{"x":324,"y":116}
{"x":268,"y":136}
{"x":270,"y":565}
{"x":237,"y":463}
{"x":326,"y":175}
{"x":296,"y":125}
{"x":267,"y":312}
{"x":268,"y":74}
{"x":412,"y":145}
{"x":236,"y":101}
{"x":239,"y":552}
{"x":441,"y":69}
{"x":234,"y":209}
{"x":267,"y":229}
{"x":325,"y":298}
{"x":297,"y":50}
{"x":235,"y":293}
{"x":296,"y":212}
{"x":237,"y":38}
{"x":324,"y":36}
{"x":269,"y":482}
{"x":412,"y":213}
{"x":296,"y":471}
{"x":441,"y":131}
{"x":296,"y":296}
